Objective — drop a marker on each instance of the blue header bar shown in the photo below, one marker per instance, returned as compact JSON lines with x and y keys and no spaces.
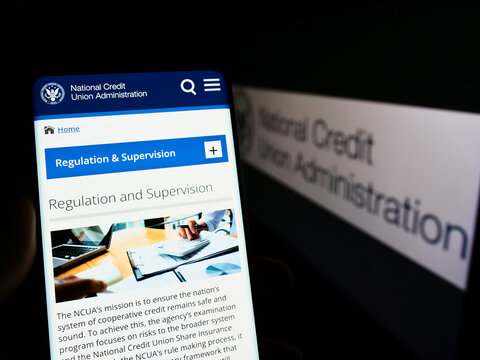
{"x":98,"y":159}
{"x":85,"y":95}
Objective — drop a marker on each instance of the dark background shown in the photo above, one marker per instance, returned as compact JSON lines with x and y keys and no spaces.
{"x":352,"y":299}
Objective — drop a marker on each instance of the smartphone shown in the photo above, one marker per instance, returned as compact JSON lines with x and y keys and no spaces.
{"x":124,"y":162}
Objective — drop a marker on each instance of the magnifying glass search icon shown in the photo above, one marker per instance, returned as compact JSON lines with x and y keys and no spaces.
{"x":188,"y":86}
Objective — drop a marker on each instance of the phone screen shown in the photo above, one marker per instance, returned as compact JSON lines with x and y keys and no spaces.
{"x":141,"y":217}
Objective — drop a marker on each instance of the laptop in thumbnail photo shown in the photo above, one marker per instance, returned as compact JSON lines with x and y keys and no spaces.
{"x":75,"y":246}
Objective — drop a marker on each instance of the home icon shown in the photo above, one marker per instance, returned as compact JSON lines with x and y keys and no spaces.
{"x":49,"y":129}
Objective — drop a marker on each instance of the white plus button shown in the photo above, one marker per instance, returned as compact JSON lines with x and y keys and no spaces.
{"x":213,"y":149}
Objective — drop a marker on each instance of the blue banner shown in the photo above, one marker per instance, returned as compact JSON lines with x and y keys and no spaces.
{"x":86,"y":160}
{"x":56,"y":96}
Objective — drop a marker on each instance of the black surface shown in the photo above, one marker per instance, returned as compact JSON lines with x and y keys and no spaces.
{"x":315,"y":316}
{"x":422,"y":53}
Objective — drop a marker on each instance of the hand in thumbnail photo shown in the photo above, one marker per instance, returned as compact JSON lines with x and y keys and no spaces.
{"x":219,"y":220}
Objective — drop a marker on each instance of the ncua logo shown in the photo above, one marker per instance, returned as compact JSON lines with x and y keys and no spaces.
{"x":52,"y":93}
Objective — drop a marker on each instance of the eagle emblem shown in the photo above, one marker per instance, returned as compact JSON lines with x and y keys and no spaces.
{"x":52,"y":93}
